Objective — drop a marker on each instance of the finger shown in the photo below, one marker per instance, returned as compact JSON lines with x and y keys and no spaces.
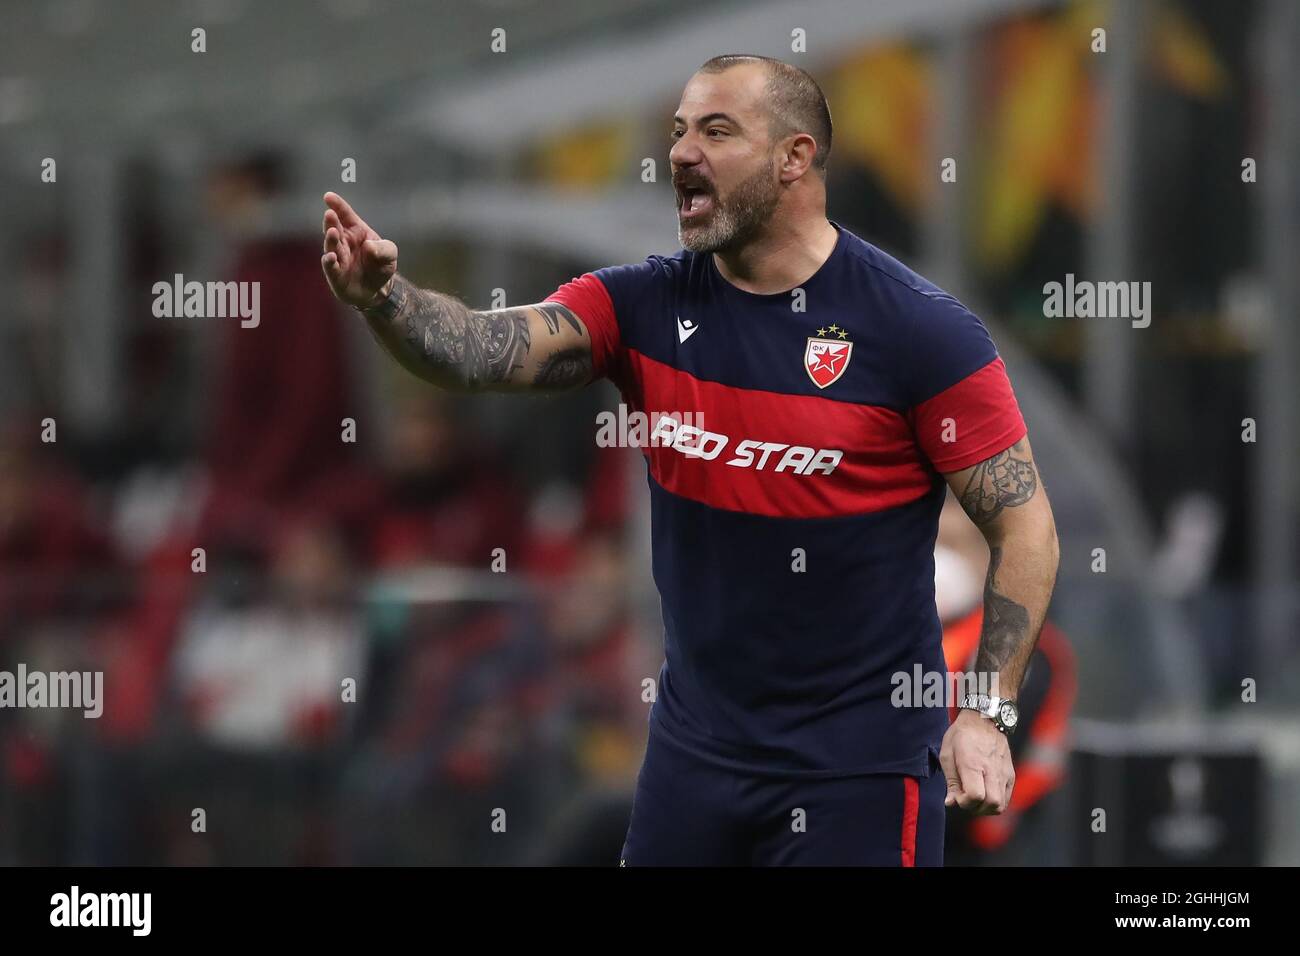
{"x":335,"y":243}
{"x":949,"y":765}
{"x":330,"y":264}
{"x":973,"y":787}
{"x":995,"y":789}
{"x":379,"y":252}
{"x":331,"y":219}
{"x":347,"y":215}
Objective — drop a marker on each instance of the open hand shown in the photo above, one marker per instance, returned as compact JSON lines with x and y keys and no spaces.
{"x":358,"y":264}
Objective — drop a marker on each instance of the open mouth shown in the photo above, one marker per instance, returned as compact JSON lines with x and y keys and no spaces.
{"x":693,"y":202}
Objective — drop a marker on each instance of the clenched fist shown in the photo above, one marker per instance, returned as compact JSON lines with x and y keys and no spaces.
{"x":976,"y":759}
{"x":358,"y":264}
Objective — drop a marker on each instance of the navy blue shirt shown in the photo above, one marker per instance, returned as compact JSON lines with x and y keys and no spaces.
{"x":795,"y":482}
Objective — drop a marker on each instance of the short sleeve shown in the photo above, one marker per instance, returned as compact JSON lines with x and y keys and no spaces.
{"x":962,"y":407}
{"x":588,"y":299}
{"x":615,"y":304}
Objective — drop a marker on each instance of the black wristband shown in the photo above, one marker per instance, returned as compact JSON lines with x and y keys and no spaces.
{"x":389,"y":306}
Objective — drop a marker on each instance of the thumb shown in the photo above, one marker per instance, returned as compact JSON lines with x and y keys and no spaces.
{"x":379,"y":252}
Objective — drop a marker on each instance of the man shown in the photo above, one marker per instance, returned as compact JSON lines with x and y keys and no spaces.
{"x":794,"y":530}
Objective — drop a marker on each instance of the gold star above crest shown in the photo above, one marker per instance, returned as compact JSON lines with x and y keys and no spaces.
{"x":835,"y":328}
{"x":821,"y":332}
{"x":843,"y":334}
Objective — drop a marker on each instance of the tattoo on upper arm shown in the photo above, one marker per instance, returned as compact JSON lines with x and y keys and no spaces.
{"x":553,"y":312}
{"x":1006,"y":480}
{"x":566,"y":369}
{"x":1006,"y":624}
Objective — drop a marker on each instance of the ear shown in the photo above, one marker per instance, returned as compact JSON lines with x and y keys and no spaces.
{"x":797,"y":159}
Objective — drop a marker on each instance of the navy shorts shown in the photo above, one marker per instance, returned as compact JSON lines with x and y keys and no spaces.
{"x":690,"y":812}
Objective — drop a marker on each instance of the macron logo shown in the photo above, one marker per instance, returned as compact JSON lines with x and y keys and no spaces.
{"x":686,"y":329}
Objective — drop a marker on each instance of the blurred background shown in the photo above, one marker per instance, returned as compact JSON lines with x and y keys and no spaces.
{"x":477,"y":572}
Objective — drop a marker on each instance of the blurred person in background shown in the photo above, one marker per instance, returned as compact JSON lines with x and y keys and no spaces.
{"x":1021,"y":835}
{"x":450,"y":714}
{"x":57,"y":574}
{"x":439,"y":495}
{"x":585,"y":616}
{"x":262,"y":670}
{"x":452,"y":725}
{"x":596,"y":683}
{"x":258,"y":681}
{"x":280,"y":389}
{"x":55,"y":557}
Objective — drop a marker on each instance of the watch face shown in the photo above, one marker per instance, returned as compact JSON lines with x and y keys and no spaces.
{"x":1007,"y":714}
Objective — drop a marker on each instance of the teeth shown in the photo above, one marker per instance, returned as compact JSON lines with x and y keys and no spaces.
{"x":693,"y":199}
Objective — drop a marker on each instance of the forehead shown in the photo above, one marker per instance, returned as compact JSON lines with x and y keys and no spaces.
{"x":738,"y":92}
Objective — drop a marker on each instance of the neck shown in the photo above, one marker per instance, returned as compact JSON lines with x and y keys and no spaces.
{"x":786,"y":255}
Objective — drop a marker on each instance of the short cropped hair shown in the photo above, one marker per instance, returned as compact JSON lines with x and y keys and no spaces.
{"x":796,"y":102}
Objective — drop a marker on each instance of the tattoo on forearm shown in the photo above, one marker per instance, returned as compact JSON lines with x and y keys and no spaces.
{"x":444,"y":334}
{"x":1006,"y":480}
{"x":440,"y":338}
{"x":1006,"y":627}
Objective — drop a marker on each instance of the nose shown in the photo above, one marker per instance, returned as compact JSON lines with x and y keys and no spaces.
{"x":686,"y":151}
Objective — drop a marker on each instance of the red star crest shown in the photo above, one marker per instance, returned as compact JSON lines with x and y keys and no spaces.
{"x":825,"y":359}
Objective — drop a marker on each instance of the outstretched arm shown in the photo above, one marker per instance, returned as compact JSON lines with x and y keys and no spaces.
{"x":542,"y":347}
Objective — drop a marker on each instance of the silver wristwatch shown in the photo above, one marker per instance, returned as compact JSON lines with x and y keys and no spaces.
{"x":1001,"y":710}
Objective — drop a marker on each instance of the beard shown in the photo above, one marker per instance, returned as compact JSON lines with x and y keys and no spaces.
{"x":735,"y":219}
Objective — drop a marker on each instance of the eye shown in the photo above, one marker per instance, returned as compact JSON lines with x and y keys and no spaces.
{"x":676,"y":134}
{"x":717,"y":129}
